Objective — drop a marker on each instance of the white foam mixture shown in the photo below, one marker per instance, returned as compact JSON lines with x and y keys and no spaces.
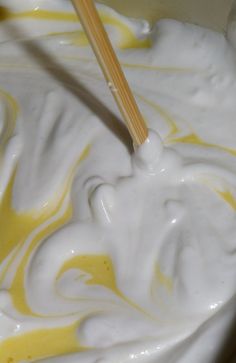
{"x":144,"y":264}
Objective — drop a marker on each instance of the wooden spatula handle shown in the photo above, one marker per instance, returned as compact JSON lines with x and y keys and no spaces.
{"x":111,"y":68}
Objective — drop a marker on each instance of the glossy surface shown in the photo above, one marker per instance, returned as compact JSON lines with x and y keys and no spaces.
{"x":105,"y":255}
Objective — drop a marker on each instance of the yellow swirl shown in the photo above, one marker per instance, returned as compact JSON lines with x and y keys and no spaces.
{"x":128,"y":37}
{"x":15,"y":229}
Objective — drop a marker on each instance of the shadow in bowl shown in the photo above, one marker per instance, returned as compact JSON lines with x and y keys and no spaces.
{"x":56,"y":70}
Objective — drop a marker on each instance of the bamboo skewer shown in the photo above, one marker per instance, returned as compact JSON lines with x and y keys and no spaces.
{"x":111,"y":68}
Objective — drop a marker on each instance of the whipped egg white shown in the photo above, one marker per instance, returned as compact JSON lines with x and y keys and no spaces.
{"x":106,"y":254}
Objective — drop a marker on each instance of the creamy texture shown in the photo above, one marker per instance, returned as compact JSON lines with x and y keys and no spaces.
{"x":105,"y":255}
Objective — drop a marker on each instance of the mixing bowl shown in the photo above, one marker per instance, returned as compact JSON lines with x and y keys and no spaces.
{"x":209,"y":13}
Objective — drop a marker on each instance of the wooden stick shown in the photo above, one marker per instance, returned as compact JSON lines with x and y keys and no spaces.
{"x":111,"y":68}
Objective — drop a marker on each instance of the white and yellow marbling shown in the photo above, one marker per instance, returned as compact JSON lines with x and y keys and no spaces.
{"x":102,"y":260}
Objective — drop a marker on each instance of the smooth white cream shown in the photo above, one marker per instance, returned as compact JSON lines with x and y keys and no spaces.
{"x":117,"y":256}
